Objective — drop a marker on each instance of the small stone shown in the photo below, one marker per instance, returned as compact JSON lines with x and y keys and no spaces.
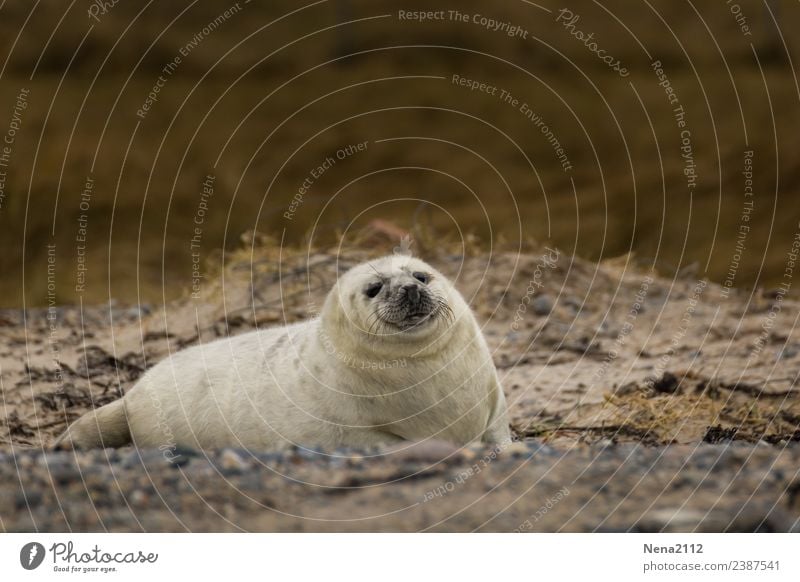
{"x":133,"y":313}
{"x":110,"y":455}
{"x":65,"y":474}
{"x":542,"y":305}
{"x":50,"y":460}
{"x":539,"y":448}
{"x":670,"y":519}
{"x":469,"y":453}
{"x":309,"y":454}
{"x":231,"y":462}
{"x":336,"y":462}
{"x":137,"y":458}
{"x":516,"y":449}
{"x":178,"y":459}
{"x":138,"y":497}
{"x":270,"y":459}
{"x":131,"y":460}
{"x":430,"y":451}
{"x":667,"y":384}
{"x":355,"y":460}
{"x":23,"y":499}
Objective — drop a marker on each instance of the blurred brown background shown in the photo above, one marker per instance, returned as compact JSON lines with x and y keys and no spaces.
{"x":265,"y":92}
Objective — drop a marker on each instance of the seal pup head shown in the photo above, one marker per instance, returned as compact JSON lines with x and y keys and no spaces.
{"x":395,"y":300}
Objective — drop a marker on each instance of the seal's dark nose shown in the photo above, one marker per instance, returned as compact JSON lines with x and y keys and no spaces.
{"x":412,"y":293}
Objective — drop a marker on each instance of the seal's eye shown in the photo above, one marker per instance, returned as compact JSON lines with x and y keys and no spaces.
{"x":421,"y":277}
{"x":373,"y":290}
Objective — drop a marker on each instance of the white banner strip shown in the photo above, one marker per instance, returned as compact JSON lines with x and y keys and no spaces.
{"x":399,"y":557}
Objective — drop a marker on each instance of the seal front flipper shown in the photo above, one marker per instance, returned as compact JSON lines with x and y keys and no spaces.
{"x":106,"y":426}
{"x":497,"y":429}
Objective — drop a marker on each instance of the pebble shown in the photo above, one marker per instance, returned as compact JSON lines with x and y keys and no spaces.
{"x":64,"y":474}
{"x":178,"y":459}
{"x":540,"y":449}
{"x":28,"y":498}
{"x":355,"y":460}
{"x":138,"y":497}
{"x":232,"y":463}
{"x":137,"y":312}
{"x":50,"y":460}
{"x":308,"y":454}
{"x":111,"y":455}
{"x":516,"y":449}
{"x":542,"y":305}
{"x":671,"y":519}
{"x":136,"y":458}
{"x":130,"y":460}
{"x":430,"y":451}
{"x":623,"y":467}
{"x":269,"y":459}
{"x":471,"y":452}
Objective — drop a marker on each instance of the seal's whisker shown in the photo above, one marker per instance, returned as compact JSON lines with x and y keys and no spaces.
{"x":374,"y":314}
{"x":374,"y":323}
{"x":445,"y":310}
{"x":379,"y":323}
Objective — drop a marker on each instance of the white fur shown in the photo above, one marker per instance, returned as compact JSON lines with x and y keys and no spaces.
{"x":331,"y":381}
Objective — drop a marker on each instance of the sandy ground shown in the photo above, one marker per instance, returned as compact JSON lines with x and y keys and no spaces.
{"x":642,"y":404}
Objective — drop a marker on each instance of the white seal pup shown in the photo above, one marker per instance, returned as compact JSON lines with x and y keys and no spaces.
{"x":396,"y":354}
